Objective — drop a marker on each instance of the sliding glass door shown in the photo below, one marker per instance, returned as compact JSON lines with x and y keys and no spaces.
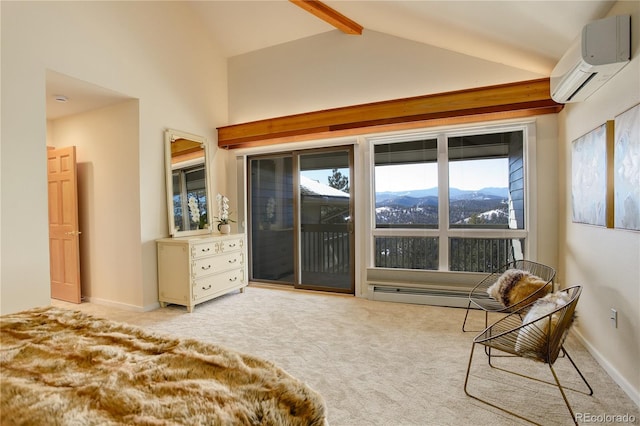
{"x":272,"y":219}
{"x":301,"y":219}
{"x":325,"y":237}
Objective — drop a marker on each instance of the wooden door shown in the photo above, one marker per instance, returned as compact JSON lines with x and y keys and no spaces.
{"x":64,"y":235}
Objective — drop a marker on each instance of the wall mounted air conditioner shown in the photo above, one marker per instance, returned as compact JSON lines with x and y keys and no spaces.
{"x":600,"y":51}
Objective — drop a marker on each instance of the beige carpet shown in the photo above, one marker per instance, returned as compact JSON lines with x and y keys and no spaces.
{"x":380,"y":363}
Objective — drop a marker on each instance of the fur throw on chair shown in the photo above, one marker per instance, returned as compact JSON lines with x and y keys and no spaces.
{"x":515,"y":285}
{"x":531,"y":338}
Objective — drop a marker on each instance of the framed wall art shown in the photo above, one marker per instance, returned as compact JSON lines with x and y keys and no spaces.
{"x":626,"y":169}
{"x":591,"y":195}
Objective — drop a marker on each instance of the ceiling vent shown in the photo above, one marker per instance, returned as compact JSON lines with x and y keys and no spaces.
{"x":600,"y":51}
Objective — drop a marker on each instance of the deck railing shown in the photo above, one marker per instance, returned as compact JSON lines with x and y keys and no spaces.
{"x":482,"y":254}
{"x":465,"y":254}
{"x":325,"y":248}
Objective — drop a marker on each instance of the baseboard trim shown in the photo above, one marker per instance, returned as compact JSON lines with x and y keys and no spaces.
{"x":123,"y":306}
{"x":423,"y":295}
{"x":634,"y":394}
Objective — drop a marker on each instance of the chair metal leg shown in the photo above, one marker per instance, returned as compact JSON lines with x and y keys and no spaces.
{"x":465,"y":317}
{"x":487,"y":349}
{"x":590,"y":393}
{"x":564,"y":351}
{"x":566,"y":401}
{"x":466,"y":381}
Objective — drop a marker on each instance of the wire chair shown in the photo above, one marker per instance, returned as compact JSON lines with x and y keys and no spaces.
{"x":539,"y":339}
{"x":479,"y":299}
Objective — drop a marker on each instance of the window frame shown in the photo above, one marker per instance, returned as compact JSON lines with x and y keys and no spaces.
{"x":444,"y":231}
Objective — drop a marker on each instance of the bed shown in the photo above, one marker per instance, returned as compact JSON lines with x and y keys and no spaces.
{"x":60,"y":366}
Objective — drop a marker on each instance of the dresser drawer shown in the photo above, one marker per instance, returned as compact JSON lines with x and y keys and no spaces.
{"x":231,"y":244}
{"x":214,"y":264}
{"x":202,"y":250}
{"x":203,"y":287}
{"x":210,"y":285}
{"x":231,"y":278}
{"x":203,"y":267}
{"x":226,"y":261}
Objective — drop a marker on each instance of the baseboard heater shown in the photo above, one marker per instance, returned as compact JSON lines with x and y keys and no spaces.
{"x":422,"y":296}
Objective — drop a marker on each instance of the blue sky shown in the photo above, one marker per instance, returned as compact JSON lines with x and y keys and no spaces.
{"x":470,"y":175}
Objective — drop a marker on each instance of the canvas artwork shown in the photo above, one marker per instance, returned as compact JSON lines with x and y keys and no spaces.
{"x":627,"y":169}
{"x":589,"y":177}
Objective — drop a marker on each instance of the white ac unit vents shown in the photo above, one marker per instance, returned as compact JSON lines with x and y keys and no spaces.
{"x":600,"y":51}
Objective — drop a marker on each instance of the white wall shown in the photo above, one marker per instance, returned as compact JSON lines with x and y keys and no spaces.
{"x":334,"y":70}
{"x":151,"y":51}
{"x":546,"y":191}
{"x":107,"y":154}
{"x":605,"y":261}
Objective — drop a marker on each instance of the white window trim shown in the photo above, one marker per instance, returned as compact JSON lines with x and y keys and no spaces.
{"x":529,"y":233}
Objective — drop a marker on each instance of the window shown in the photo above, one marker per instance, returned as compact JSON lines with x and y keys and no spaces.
{"x":406,"y":184}
{"x":450,"y":201}
{"x":485,"y":174}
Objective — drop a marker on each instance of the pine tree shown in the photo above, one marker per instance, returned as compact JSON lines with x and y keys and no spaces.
{"x":339,"y":181}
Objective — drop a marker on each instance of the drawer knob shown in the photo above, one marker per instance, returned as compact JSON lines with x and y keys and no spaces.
{"x":232,"y":245}
{"x":233,"y":260}
{"x":233,"y":279}
{"x":207,"y":288}
{"x":204,"y":268}
{"x":206,"y":249}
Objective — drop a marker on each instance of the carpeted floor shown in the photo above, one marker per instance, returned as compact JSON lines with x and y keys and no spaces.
{"x":381,"y":363}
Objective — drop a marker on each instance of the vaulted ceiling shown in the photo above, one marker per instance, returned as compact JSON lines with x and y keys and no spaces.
{"x":530,"y":35}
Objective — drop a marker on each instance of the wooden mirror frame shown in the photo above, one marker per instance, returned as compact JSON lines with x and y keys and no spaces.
{"x":171,"y":137}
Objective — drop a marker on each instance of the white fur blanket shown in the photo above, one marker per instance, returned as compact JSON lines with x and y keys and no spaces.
{"x":532,"y":338}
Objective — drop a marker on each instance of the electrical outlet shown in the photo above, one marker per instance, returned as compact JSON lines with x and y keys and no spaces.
{"x":614,"y":318}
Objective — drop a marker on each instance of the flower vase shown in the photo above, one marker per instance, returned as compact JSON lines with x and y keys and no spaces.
{"x":224,"y":228}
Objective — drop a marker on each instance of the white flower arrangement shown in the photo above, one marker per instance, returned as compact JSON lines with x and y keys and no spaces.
{"x":194,"y":210}
{"x":223,"y":210}
{"x":270,"y":209}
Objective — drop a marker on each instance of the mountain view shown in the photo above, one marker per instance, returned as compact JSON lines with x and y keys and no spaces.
{"x":484,"y":206}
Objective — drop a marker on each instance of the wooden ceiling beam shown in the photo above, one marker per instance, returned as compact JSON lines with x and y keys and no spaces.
{"x":521,"y":99}
{"x":330,"y":16}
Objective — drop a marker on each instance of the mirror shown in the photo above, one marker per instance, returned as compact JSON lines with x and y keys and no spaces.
{"x":188,"y":198}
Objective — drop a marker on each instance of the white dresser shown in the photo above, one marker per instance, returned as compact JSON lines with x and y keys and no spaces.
{"x":192,"y":270}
